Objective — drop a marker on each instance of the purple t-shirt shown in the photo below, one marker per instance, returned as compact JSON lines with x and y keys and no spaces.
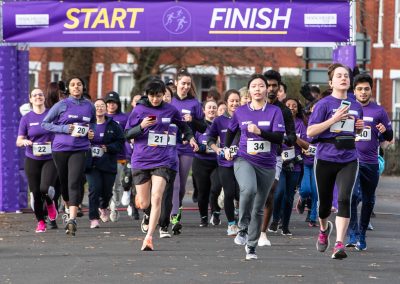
{"x":301,"y":132}
{"x":367,"y":142}
{"x":218,"y":129}
{"x":188,"y":106}
{"x":30,"y":127}
{"x":324,"y":110}
{"x":252,"y":147}
{"x":202,"y":138}
{"x":151,"y":148}
{"x":121,"y":119}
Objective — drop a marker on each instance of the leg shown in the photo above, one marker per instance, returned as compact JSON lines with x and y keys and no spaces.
{"x":76,"y":167}
{"x":33,"y":170}
{"x":157,"y":190}
{"x":94,"y":178}
{"x":292,"y":181}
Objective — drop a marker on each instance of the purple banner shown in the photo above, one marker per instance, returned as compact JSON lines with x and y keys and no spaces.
{"x":346,"y":55}
{"x":170,"y":22}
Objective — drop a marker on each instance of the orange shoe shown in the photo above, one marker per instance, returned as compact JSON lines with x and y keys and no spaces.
{"x":147,"y":244}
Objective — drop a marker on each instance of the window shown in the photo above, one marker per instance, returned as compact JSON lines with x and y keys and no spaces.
{"x":379,"y":42}
{"x":33,"y":80}
{"x":202,"y":84}
{"x":377,"y":74}
{"x":237,"y":77}
{"x":56,"y":76}
{"x":123,"y":84}
{"x":236,"y":82}
{"x":397,"y":25}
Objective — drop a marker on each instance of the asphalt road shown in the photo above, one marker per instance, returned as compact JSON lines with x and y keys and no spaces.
{"x":111,"y":254}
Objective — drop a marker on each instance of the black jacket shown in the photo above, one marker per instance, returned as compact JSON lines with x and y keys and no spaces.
{"x":114,"y":141}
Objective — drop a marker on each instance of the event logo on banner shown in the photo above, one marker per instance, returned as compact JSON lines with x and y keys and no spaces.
{"x":169,"y":22}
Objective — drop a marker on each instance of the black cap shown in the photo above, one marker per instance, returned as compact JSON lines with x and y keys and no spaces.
{"x":112,"y":96}
{"x":169,"y":82}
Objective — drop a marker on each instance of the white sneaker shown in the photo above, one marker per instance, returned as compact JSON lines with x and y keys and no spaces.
{"x":126,"y":198}
{"x":232,"y":230}
{"x":114,"y":216}
{"x":129,"y":210}
{"x":32,"y":201}
{"x":263,"y":240}
{"x":164,"y":233}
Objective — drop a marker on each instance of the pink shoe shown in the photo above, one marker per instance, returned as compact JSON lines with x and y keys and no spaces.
{"x":41,"y":227}
{"x":52,"y":211}
{"x":104,"y":215}
{"x":94,"y":224}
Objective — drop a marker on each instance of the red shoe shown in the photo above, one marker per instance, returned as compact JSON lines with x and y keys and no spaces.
{"x":41,"y":227}
{"x":52,"y":211}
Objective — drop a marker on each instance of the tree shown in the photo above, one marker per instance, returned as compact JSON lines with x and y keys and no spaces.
{"x":78,"y":62}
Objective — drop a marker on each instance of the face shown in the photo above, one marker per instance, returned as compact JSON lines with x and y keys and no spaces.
{"x":281,"y":93}
{"x":257,"y":89}
{"x":210,"y":110}
{"x":135,"y":99}
{"x":244,"y":100}
{"x":340,"y":80}
{"x":363,"y":92}
{"x":100,"y":108}
{"x":167,"y":96}
{"x":292,"y":105}
{"x":75,"y":88}
{"x":272,"y":89}
{"x":221,"y":109}
{"x":183,"y":85}
{"x":112,"y":107}
{"x":233,"y":102}
{"x":36,"y":98}
{"x":155,"y":99}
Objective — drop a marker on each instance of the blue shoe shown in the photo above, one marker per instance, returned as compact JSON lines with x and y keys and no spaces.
{"x":352,"y":241}
{"x":361,"y":244}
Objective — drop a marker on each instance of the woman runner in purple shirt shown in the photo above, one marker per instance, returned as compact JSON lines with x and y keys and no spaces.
{"x":334,"y":123}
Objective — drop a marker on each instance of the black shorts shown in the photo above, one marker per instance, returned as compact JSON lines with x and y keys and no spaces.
{"x":142,"y":176}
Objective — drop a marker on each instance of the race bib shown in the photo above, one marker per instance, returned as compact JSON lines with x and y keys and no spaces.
{"x":288,"y":154}
{"x":156,"y":139}
{"x":343,"y":125}
{"x":97,"y":151}
{"x":80,"y":130}
{"x":41,"y":149}
{"x":365,"y":134}
{"x":172,"y":140}
{"x":312,"y":150}
{"x":254,"y":147}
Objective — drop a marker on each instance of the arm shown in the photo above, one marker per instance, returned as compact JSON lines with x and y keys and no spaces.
{"x":53,"y":113}
{"x":117,"y":145}
{"x":199,"y":125}
{"x":318,"y":128}
{"x":290,"y":128}
{"x":23,"y":142}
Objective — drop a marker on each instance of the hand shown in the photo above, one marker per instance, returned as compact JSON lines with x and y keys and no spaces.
{"x":228,"y":155}
{"x":359,"y":124}
{"x":26,"y":142}
{"x":187,"y":117}
{"x":70,"y":128}
{"x":147,"y":121}
{"x":252,"y":128}
{"x":91,"y":134}
{"x":194,"y":145}
{"x":341,"y":113}
{"x":381,"y":128}
{"x":104,"y":148}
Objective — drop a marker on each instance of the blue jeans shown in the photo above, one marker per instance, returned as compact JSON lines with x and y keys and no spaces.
{"x":284,"y":196}
{"x":308,"y":189}
{"x":364,"y":191}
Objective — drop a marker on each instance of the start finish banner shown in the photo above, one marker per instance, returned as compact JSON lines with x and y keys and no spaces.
{"x":171,"y":23}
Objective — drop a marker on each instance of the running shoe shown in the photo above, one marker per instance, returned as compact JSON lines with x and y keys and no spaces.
{"x":51,"y":211}
{"x":232,"y":230}
{"x":79,"y":213}
{"x":129,"y":210}
{"x":312,"y":224}
{"x":286,"y":232}
{"x":164,"y":233}
{"x":94,"y":224}
{"x":70,"y":228}
{"x":114,"y":215}
{"x":250,"y":253}
{"x":301,"y":205}
{"x":53,"y":224}
{"x":241,"y":238}
{"x":215,"y":220}
{"x":144,"y":226}
{"x":126,"y":198}
{"x":263,"y":240}
{"x":41,"y":227}
{"x":204,"y":221}
{"x":104,"y":215}
{"x":361,"y":244}
{"x":370,"y":227}
{"x":338,"y":251}
{"x":352,"y":241}
{"x":177,"y":228}
{"x":273,"y":228}
{"x":147,"y":244}
{"x":323,"y":242}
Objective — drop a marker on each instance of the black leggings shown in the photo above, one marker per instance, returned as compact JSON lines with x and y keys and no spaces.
{"x":202,"y":170}
{"x":326,"y":174}
{"x":231,"y":190}
{"x":41,"y":175}
{"x":70,"y":166}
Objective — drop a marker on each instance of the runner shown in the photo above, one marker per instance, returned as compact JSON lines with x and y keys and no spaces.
{"x":39,"y":165}
{"x":334,"y":123}
{"x":187,"y":104}
{"x":102,"y":163}
{"x":72,"y":120}
{"x":262,"y":127}
{"x":376,"y":125}
{"x":225,"y":169}
{"x":148,"y":124}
